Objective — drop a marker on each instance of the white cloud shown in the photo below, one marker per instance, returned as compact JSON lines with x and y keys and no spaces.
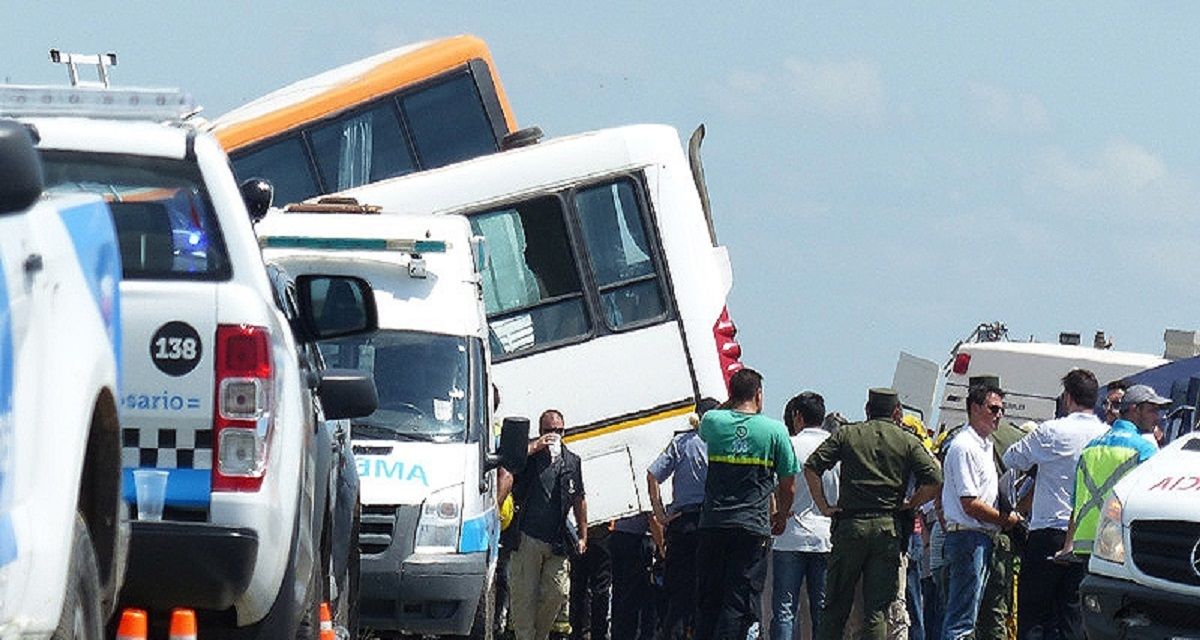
{"x":1122,"y":169}
{"x":850,"y":90}
{"x":998,"y":108}
{"x":853,"y":88}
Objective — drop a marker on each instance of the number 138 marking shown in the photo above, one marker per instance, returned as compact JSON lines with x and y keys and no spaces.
{"x":175,"y":349}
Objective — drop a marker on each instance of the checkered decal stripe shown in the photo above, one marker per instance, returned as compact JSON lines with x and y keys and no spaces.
{"x":166,"y":448}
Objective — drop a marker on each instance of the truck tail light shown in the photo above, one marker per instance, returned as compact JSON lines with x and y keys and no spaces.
{"x":961,"y":362}
{"x":243,"y":415}
{"x":729,"y":352}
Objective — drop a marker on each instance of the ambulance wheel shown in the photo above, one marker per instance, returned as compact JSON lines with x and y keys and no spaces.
{"x":81,"y":618}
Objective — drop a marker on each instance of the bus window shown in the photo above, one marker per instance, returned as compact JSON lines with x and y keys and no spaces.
{"x":619,"y":253}
{"x":362,"y":147}
{"x":532,"y":290}
{"x":285,"y":164}
{"x":448,"y":122}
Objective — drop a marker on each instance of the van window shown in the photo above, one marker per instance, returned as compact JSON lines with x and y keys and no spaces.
{"x":365,"y":146}
{"x":423,"y":382}
{"x":619,"y":254}
{"x":531,"y":288}
{"x":285,"y":164}
{"x":166,"y":229}
{"x":448,"y":122}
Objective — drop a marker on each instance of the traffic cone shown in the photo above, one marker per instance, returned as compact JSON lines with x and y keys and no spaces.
{"x":183,"y":624}
{"x":133,"y":625}
{"x":326,"y":623}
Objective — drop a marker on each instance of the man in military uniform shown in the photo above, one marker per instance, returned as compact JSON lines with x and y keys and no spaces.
{"x":877,"y":460}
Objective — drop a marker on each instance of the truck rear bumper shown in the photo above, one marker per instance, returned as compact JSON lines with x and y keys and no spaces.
{"x":434,"y":594}
{"x":192,"y":564}
{"x":1115,"y":608}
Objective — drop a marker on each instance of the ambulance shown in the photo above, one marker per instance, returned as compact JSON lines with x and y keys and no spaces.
{"x":1144,"y":573}
{"x":426,"y":457}
{"x":63,"y":542}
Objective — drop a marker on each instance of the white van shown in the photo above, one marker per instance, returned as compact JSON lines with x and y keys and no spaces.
{"x":427,"y":476}
{"x":1031,"y":375}
{"x":1144,"y":573}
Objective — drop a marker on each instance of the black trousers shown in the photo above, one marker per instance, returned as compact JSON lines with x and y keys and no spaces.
{"x":1048,"y":592}
{"x":732,"y":569}
{"x":591,"y":579}
{"x":633,"y":599}
{"x":679,"y":577}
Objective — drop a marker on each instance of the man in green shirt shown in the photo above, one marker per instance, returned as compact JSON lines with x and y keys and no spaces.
{"x":746,"y":453}
{"x":878,"y":459}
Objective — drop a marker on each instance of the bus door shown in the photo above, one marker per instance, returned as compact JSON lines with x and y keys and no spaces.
{"x":582,"y":320}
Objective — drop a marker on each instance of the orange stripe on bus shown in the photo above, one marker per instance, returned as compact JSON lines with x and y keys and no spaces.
{"x":388,"y":77}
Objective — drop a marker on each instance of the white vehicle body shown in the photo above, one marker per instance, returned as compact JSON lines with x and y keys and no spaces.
{"x":59,"y":367}
{"x":605,"y":291}
{"x":430,"y":526}
{"x":1144,"y":572}
{"x":1030,"y":374}
{"x":195,"y":286}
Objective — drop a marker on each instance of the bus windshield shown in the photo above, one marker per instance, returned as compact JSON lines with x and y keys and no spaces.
{"x":422,"y":380}
{"x":426,"y":106}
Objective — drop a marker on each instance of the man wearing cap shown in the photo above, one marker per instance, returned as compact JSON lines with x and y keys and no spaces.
{"x":1048,"y":606}
{"x":1107,"y":459}
{"x":878,"y":458}
{"x":970,"y":507}
{"x":685,"y":461}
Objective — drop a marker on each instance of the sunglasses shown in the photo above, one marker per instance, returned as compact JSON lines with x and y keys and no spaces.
{"x":553,"y":430}
{"x":996,"y":409}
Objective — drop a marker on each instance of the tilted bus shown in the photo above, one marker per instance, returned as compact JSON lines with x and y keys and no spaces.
{"x":605,"y":290}
{"x":417,"y":107}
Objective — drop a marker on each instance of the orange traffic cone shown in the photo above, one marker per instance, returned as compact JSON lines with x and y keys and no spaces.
{"x":133,"y":625}
{"x":183,"y":624}
{"x":326,"y":623}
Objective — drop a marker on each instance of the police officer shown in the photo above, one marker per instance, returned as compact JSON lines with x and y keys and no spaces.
{"x":878,"y":458}
{"x":685,"y":460}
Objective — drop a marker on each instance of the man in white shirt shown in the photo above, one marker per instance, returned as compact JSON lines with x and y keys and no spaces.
{"x":1048,"y":601}
{"x":970,"y":507}
{"x":801,"y":553}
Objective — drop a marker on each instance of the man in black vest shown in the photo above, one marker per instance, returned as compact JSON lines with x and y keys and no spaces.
{"x":544,"y":492}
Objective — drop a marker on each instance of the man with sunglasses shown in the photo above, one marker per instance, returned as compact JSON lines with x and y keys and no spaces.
{"x":1048,"y":605}
{"x":550,"y":485}
{"x":970,"y":506}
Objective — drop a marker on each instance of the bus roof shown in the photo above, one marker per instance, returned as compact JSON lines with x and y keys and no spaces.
{"x":546,"y":165}
{"x":344,"y":87}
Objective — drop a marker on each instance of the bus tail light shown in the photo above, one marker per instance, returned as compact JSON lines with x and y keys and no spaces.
{"x":962,"y":361}
{"x":729,"y":352}
{"x":243,"y":415}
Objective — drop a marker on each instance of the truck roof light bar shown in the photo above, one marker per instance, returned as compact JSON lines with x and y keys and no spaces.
{"x":404,"y":245}
{"x":157,"y":105}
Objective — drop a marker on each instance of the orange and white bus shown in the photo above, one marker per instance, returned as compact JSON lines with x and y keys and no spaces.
{"x":421,"y":106}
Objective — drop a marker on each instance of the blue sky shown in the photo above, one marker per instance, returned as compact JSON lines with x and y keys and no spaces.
{"x":885,"y":177}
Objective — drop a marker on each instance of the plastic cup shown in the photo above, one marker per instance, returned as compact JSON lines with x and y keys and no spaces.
{"x":151,"y":487}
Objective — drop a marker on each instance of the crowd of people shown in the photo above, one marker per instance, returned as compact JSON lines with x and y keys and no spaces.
{"x":870,"y":529}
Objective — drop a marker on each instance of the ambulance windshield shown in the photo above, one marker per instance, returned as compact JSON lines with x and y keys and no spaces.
{"x":422,"y":382}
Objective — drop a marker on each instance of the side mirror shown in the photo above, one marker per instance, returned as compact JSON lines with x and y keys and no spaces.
{"x":258,"y":194}
{"x":514,"y":444}
{"x":22,"y":169}
{"x":335,"y":306}
{"x":347,"y":393}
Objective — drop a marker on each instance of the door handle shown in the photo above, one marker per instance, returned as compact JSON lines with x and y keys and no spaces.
{"x":34,"y":263}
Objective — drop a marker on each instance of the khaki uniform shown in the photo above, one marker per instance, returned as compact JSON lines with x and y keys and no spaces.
{"x":877,"y":460}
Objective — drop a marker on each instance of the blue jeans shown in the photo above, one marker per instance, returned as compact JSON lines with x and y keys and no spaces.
{"x":913,"y":596}
{"x":792,"y":570}
{"x":967,"y":554}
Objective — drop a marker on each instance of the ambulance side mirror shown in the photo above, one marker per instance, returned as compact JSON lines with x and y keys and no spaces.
{"x":335,"y":306}
{"x":347,"y":393}
{"x":22,"y":169}
{"x":514,"y":443}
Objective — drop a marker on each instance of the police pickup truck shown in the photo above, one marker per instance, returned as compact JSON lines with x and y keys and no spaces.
{"x":1144,"y":574}
{"x":63,"y":534}
{"x":223,"y":385}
